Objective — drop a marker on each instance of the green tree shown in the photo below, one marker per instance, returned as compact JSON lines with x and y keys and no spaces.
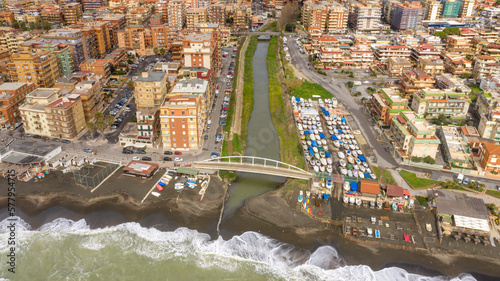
{"x":130,"y":84}
{"x":290,"y":27}
{"x":155,"y":50}
{"x":130,"y":61}
{"x":429,"y":160}
{"x":101,"y":126}
{"x":163,"y":51}
{"x":91,"y":127}
{"x":440,"y":34}
{"x":465,"y":75}
{"x":350,"y":84}
{"x":133,"y":118}
{"x":442,"y":118}
{"x":38,"y":25}
{"x":46,"y":25}
{"x":109,"y":119}
{"x":98,"y":117}
{"x":15,"y":24}
{"x":32,"y":25}
{"x":112,"y":68}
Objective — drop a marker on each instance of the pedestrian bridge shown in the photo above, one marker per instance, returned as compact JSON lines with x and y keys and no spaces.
{"x":252,"y":164}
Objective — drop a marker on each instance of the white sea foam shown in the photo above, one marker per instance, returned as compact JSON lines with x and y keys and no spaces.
{"x":250,"y":249}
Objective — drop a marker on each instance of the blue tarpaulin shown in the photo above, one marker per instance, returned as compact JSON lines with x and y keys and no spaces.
{"x":367,"y":175}
{"x":334,"y":137}
{"x":326,"y":196}
{"x":326,"y":113}
{"x":314,"y":143}
{"x":340,"y":131}
{"x":306,"y":132}
{"x":327,"y":154}
{"x":321,"y":135}
{"x":354,"y":186}
{"x":297,"y":99}
{"x":343,"y":120}
{"x":362,"y":158}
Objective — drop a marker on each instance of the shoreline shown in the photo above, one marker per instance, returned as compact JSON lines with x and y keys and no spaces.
{"x":269,"y":214}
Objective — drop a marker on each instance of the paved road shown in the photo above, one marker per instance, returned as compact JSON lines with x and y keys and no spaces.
{"x":339,"y":90}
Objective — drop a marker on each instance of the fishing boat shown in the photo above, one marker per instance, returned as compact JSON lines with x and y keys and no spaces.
{"x":313,"y":162}
{"x":317,"y":156}
{"x":358,"y":201}
{"x":336,"y":143}
{"x":315,"y":149}
{"x":323,"y":141}
{"x":369,"y":231}
{"x":341,"y":155}
{"x":343,"y":171}
{"x":365,"y":164}
{"x":368,"y":170}
{"x":349,"y":166}
{"x":316,"y":132}
{"x":329,"y":161}
{"x":428,"y":227}
{"x":329,"y":169}
{"x":308,"y":194}
{"x":354,"y":154}
{"x":317,"y":118}
{"x":322,"y":168}
{"x":373,"y":176}
{"x":356,"y":167}
{"x":190,"y":185}
{"x":204,"y":184}
{"x":178,"y":186}
{"x":316,"y":169}
{"x":350,"y":159}
{"x":361,"y":175}
{"x":322,"y":154}
{"x":346,"y":186}
{"x":309,"y":142}
{"x":342,"y":163}
{"x":349,"y":173}
{"x":328,"y":122}
{"x":358,"y":162}
{"x":299,"y":126}
{"x":154,"y":193}
{"x":323,"y":161}
{"x":346,"y":146}
{"x":355,"y":173}
{"x":345,"y":199}
{"x":379,"y":204}
{"x":352,"y":146}
{"x":362,"y":168}
{"x":352,"y":200}
{"x":304,"y":146}
{"x":331,"y":132}
{"x":348,"y":153}
{"x":359,"y":152}
{"x":301,"y":195}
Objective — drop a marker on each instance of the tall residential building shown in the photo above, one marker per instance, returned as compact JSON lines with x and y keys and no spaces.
{"x":36,"y":66}
{"x":488,"y":110}
{"x":12,"y":41}
{"x":161,"y":8}
{"x":52,"y":14}
{"x":150,"y":89}
{"x":198,"y":50}
{"x":62,"y":51}
{"x":65,"y":117}
{"x":195,"y":16}
{"x":76,"y":41}
{"x":101,"y":67}
{"x":176,"y":13}
{"x":33,"y":111}
{"x":467,"y":9}
{"x":485,"y":66}
{"x":406,"y":16}
{"x":240,"y":18}
{"x":4,"y":60}
{"x":364,"y":17}
{"x":72,"y":12}
{"x":451,"y":8}
{"x":90,"y":5}
{"x":12,"y":94}
{"x":91,"y":96}
{"x":194,"y":86}
{"x":432,"y":9}
{"x":217,"y":13}
{"x":337,"y":17}
{"x":132,"y":38}
{"x":181,"y":122}
{"x":433,"y":102}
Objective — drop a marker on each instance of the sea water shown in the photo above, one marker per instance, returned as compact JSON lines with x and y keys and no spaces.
{"x":64,"y":249}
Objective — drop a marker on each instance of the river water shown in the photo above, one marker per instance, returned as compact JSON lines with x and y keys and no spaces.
{"x":63,"y":245}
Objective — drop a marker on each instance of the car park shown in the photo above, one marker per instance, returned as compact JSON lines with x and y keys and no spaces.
{"x":88,"y":150}
{"x":145,"y":158}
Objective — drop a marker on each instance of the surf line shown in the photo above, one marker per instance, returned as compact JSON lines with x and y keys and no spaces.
{"x":222,"y":209}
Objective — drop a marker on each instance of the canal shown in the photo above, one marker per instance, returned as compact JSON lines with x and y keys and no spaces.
{"x":262,"y":140}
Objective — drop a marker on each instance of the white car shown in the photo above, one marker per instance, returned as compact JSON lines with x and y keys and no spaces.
{"x":136,"y":158}
{"x":127,"y":109}
{"x":357,"y":132}
{"x":178,"y":159}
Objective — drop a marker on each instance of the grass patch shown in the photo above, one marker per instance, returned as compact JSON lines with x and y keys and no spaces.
{"x":416,"y":182}
{"x":224,"y":149}
{"x":422,"y":200}
{"x":387,"y":178}
{"x":271,"y":25}
{"x":227,"y":175}
{"x":376,"y":170}
{"x":290,"y":148}
{"x":475,"y":87}
{"x":248,"y":89}
{"x":493,"y":193}
{"x":237,"y":144}
{"x":308,"y":89}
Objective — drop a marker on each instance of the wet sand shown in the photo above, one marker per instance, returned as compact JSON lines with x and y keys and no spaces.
{"x":118,"y":201}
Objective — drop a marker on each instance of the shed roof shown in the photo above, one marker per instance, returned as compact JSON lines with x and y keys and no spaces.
{"x":371,"y":187}
{"x":395,"y":191}
{"x":188,"y":171}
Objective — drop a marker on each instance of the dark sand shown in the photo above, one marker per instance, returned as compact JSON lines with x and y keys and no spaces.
{"x":273,"y":214}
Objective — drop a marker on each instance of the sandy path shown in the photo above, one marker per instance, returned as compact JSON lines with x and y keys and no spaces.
{"x":238,"y":109}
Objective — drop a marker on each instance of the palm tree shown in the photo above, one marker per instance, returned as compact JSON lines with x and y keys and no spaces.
{"x":109,"y":119}
{"x":163,"y":51}
{"x":155,"y":50}
{"x":101,"y":126}
{"x":91,"y":127}
{"x":98,"y":116}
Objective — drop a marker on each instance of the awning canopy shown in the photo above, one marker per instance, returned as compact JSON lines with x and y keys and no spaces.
{"x":187,"y":171}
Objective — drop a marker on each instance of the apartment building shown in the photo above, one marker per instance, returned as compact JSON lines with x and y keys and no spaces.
{"x":75,"y":40}
{"x":150,"y":89}
{"x":361,"y":56}
{"x":101,"y":67}
{"x":4,"y":60}
{"x":12,"y":95}
{"x":331,"y":55}
{"x":448,"y":81}
{"x":7,"y":17}
{"x":364,"y":18}
{"x":467,"y":8}
{"x":194,"y":86}
{"x":241,"y":19}
{"x":488,"y":157}
{"x":455,"y":152}
{"x":137,"y":16}
{"x":148,"y":128}
{"x":90,"y":92}
{"x":414,"y":80}
{"x":337,"y":18}
{"x":181,"y":122}
{"x":382,"y":53}
{"x":198,"y":51}
{"x":386,"y":104}
{"x":72,"y":12}
{"x":485,"y":66}
{"x":12,"y":40}
{"x":161,"y":8}
{"x":133,"y":38}
{"x":488,"y":34}
{"x":36,"y":66}
{"x":413,"y":136}
{"x":52,"y":14}
{"x":195,"y":16}
{"x":176,"y":14}
{"x":457,"y":64}
{"x":491,"y":50}
{"x":118,"y":21}
{"x":451,"y":8}
{"x":33,"y":112}
{"x":103,"y":35}
{"x":62,"y":51}
{"x":424,"y":51}
{"x":396,"y":66}
{"x":406,"y":16}
{"x":65,"y":117}
{"x":433,"y":102}
{"x":488,"y":110}
{"x":431,"y":66}
{"x":217,"y":13}
{"x":91,"y":5}
{"x":432,"y":9}
{"x":459,"y":45}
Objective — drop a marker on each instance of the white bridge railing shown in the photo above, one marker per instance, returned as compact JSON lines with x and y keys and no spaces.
{"x":251,"y":160}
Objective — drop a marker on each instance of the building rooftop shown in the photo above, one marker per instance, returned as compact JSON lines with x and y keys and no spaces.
{"x":456,"y":203}
{"x":44,"y":92}
{"x":11,"y":86}
{"x":150,"y":77}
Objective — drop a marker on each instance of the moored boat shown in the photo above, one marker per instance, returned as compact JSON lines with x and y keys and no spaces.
{"x":342,"y":163}
{"x":346,"y":186}
{"x":358,"y":201}
{"x":316,"y":169}
{"x":341,"y":155}
{"x":329,"y":169}
{"x":343,"y":171}
{"x":154,"y":193}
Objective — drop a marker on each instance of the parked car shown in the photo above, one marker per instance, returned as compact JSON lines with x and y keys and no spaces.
{"x":178,"y":159}
{"x":168,"y":153}
{"x":37,"y":137}
{"x":214,"y":155}
{"x":127,"y":151}
{"x":205,"y":137}
{"x":466,"y":181}
{"x":145,"y":158}
{"x":167,"y":159}
{"x":136,"y":158}
{"x":140,"y":151}
{"x":56,"y":140}
{"x":88,"y":150}
{"x":65,"y":141}
{"x":178,"y":153}
{"x":218,"y":137}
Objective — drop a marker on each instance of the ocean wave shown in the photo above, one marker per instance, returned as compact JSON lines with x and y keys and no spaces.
{"x":264,"y":255}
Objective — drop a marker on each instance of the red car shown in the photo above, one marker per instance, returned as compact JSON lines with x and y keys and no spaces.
{"x":224,"y":108}
{"x":178,"y":153}
{"x":235,"y":50}
{"x":217,"y":87}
